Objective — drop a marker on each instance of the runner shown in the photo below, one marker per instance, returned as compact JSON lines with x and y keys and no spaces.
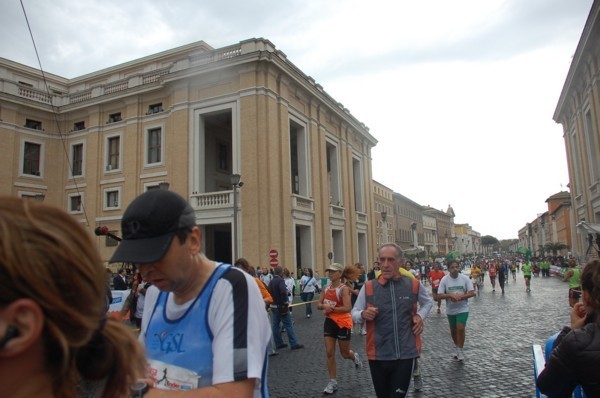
{"x":493,"y":270}
{"x":526,"y":268}
{"x":501,"y":275}
{"x":456,"y":288}
{"x":476,"y":277}
{"x":513,"y":270}
{"x":336,"y":305}
{"x":435,"y":277}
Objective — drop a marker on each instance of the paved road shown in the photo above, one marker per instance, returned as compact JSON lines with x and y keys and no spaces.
{"x":498,"y":359}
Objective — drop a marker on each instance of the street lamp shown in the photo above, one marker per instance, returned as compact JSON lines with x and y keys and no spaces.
{"x":163,"y":186}
{"x":235,"y":183}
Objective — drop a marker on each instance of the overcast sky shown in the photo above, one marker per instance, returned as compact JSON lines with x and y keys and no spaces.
{"x":460,"y":94}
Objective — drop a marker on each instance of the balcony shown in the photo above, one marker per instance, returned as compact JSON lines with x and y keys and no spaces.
{"x":212,"y":200}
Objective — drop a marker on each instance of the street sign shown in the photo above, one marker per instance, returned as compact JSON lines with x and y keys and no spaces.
{"x":274,"y":262}
{"x":273,"y":253}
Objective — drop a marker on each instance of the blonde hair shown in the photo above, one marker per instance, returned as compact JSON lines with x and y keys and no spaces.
{"x":48,"y":257}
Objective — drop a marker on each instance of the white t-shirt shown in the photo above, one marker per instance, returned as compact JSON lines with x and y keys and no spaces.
{"x":289,"y":285}
{"x":312,"y":284}
{"x":220,"y":320}
{"x":461,"y":285}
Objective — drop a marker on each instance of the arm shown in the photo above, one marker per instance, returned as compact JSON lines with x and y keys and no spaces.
{"x":359,"y":306}
{"x":568,"y":275}
{"x":425,"y":304}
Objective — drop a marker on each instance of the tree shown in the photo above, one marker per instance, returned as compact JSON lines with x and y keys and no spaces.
{"x":555,"y":247}
{"x":488,"y":240}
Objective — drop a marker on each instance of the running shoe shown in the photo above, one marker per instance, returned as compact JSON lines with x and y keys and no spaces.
{"x":439,"y":311}
{"x":460,"y":356}
{"x":357,"y":361}
{"x":363,"y":332}
{"x":331,"y":388}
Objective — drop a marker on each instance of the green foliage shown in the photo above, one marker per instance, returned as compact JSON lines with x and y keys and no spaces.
{"x":488,"y":240}
{"x":555,"y":247}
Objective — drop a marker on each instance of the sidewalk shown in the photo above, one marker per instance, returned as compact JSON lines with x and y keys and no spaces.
{"x":498,"y":359}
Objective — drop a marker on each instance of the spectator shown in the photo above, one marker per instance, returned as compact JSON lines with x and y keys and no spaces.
{"x":54,"y":333}
{"x":372,"y":274}
{"x":573,"y":276}
{"x":308,"y":286}
{"x":576,"y":358}
{"x":243,"y":264}
{"x":290,"y":285}
{"x":280,"y":312}
{"x":120,"y":280}
{"x":217,"y":307}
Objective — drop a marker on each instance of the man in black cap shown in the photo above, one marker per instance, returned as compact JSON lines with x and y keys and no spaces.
{"x":204,"y":325}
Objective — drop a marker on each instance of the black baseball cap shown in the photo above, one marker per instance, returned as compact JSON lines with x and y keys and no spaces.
{"x":149,"y":225}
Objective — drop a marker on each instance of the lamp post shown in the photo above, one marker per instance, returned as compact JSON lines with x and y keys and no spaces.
{"x":235,"y":183}
{"x":163,"y":186}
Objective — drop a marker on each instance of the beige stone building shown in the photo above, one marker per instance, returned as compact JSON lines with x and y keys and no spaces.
{"x":409,"y":223}
{"x":446,"y":237}
{"x":193,"y":117}
{"x":468,"y":241}
{"x":384,"y":219}
{"x":578,"y":111}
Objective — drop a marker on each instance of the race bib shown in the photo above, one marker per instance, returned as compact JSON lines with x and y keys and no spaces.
{"x":171,"y":377}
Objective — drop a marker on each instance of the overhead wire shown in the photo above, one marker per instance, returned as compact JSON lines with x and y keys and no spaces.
{"x":63,"y":139}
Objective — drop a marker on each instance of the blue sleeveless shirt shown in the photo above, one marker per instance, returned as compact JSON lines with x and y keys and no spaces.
{"x":180,"y":350}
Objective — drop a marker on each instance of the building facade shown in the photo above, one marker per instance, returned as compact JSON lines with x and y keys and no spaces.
{"x":384,"y":219}
{"x":192,"y":118}
{"x":445,"y":228}
{"x":409,"y":224}
{"x":578,"y":111}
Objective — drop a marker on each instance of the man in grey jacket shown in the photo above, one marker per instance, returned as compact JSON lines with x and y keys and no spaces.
{"x":394,"y":307}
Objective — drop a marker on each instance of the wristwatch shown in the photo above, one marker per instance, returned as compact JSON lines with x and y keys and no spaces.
{"x":138,"y":389}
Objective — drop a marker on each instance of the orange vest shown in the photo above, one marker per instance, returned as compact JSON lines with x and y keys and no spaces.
{"x":333,"y":297}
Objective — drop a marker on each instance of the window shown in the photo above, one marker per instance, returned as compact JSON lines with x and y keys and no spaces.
{"x":222,"y":157}
{"x":299,"y":157}
{"x":77,"y":160}
{"x":33,"y":124}
{"x":31,"y":158}
{"x":154,"y":145}
{"x":155,"y":108}
{"x":79,"y":126}
{"x":111,"y":199}
{"x":75,"y":203}
{"x":114,"y":117}
{"x":113,"y":149}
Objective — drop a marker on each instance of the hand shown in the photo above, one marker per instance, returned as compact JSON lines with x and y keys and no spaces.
{"x":418,"y":324}
{"x":370,"y":313}
{"x":455,"y":297}
{"x":578,"y":314}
